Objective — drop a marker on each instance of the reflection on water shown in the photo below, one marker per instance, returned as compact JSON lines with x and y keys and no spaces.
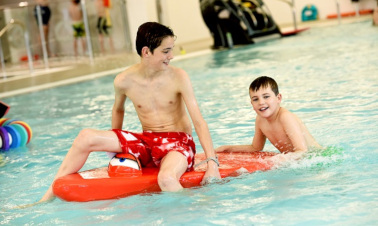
{"x":327,"y":76}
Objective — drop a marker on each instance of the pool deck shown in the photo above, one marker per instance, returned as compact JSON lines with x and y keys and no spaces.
{"x":17,"y":79}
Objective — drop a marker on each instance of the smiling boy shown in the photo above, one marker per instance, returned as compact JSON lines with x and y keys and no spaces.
{"x":273,"y":122}
{"x":160,"y":94}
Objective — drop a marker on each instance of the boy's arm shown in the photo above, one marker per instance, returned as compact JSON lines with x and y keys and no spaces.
{"x":236,"y":148}
{"x":118,"y":110}
{"x":199,"y":123}
{"x":258,"y":143}
{"x":292,"y":127}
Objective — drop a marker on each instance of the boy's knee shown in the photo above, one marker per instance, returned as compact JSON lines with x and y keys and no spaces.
{"x":168,"y":181}
{"x":84,"y":140}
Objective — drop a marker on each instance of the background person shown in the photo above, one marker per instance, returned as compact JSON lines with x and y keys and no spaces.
{"x":104,"y":23}
{"x":46,"y":15}
{"x":76,"y":15}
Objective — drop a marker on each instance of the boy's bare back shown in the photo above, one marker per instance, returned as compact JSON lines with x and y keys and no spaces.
{"x":100,"y":8}
{"x":75,"y":12}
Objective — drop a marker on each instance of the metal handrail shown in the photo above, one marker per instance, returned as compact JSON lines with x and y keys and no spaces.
{"x":338,"y":11}
{"x":9,"y":26}
{"x":292,"y":6}
{"x":42,"y":35}
{"x":126,"y":30}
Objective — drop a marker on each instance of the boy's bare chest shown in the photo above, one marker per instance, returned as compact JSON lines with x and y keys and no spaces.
{"x":276,"y":134}
{"x":146,"y":97}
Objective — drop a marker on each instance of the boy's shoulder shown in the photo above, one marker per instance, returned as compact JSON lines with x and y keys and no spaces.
{"x":126,"y":76}
{"x":285,"y":113}
{"x":176,"y":70}
{"x":287,"y":117}
{"x":129,"y":71}
{"x":135,"y":71}
{"x":175,"y":73}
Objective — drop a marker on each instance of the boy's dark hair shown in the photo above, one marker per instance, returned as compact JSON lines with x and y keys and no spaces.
{"x":264,"y":82}
{"x":151,"y":34}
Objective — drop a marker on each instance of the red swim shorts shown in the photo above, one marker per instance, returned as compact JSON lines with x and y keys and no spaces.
{"x":151,"y":147}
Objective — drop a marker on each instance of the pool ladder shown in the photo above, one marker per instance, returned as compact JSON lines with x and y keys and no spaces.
{"x":9,"y":26}
{"x":292,"y":6}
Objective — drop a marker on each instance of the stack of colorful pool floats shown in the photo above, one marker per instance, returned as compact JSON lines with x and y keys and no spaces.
{"x":13,"y":133}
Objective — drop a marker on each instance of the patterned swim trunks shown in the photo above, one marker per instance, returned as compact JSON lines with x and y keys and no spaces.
{"x":78,"y":29}
{"x":151,"y":147}
{"x":103,"y":26}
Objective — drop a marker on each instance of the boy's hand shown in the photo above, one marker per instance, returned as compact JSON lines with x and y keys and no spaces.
{"x":212,"y":174}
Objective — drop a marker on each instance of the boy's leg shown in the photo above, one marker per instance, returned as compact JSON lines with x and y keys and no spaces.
{"x":83,"y":43}
{"x":102,"y":46}
{"x":172,"y":167}
{"x":75,"y":46}
{"x":87,"y":141}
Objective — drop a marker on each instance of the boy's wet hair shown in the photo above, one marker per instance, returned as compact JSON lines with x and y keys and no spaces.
{"x":264,"y":82}
{"x":151,"y":34}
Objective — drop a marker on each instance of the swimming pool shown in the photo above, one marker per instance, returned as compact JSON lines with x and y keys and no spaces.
{"x":327,"y":76}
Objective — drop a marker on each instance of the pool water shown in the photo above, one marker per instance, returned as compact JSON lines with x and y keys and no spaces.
{"x":327,"y":76}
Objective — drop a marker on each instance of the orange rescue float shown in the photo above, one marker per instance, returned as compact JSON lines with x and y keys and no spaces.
{"x":113,"y":183}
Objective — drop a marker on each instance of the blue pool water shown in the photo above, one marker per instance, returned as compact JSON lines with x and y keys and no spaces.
{"x":327,"y":76}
